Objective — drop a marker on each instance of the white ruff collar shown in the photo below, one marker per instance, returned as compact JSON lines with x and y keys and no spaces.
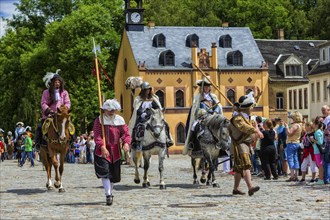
{"x":114,"y":120}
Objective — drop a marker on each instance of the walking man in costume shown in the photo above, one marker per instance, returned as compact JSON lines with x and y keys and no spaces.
{"x":243,"y":133}
{"x":108,"y":158}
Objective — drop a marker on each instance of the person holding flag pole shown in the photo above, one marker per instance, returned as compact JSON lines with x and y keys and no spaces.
{"x":110,"y":131}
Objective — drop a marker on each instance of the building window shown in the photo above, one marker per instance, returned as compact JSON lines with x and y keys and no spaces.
{"x":167,"y":58}
{"x":231,"y":95}
{"x":235,"y":58}
{"x":325,"y":95}
{"x":279,"y":101}
{"x":225,"y":41}
{"x":295,"y":99}
{"x":192,"y":40}
{"x":293,"y":70}
{"x":318,"y":91}
{"x":323,"y":54}
{"x":159,"y":40}
{"x":300,"y":97}
{"x":313,"y":92}
{"x":247,"y":91}
{"x":161,"y":97}
{"x":305,"y":98}
{"x":180,"y":134}
{"x":290,"y":99}
{"x":179,"y":98}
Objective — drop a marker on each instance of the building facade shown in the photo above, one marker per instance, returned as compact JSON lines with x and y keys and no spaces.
{"x":319,"y":81}
{"x":166,"y":58}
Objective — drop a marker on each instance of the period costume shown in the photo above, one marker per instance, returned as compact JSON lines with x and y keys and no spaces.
{"x":141,"y":114}
{"x":203,"y":100}
{"x":240,"y":131}
{"x":116,"y":133}
{"x":242,"y":135}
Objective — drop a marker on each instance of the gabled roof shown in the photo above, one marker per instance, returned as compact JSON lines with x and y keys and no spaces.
{"x":242,"y":40}
{"x":303,"y":49}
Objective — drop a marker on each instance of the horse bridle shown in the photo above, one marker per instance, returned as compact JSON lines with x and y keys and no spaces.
{"x":152,"y":128}
{"x":57,"y":130}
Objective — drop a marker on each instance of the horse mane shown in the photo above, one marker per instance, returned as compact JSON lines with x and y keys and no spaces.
{"x":213,"y":121}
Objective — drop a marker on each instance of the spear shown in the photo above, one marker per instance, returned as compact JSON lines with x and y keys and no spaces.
{"x":99,"y":89}
{"x":204,"y":74}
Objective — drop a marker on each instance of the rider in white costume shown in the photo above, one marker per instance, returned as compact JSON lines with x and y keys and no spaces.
{"x":203,"y":100}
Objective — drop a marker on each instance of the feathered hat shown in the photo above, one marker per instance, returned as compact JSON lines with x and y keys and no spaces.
{"x":246,"y":101}
{"x":50,"y":76}
{"x":205,"y":81}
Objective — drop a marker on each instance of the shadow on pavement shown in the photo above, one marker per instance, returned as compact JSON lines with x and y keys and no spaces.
{"x":26,"y":191}
{"x":80,"y":204}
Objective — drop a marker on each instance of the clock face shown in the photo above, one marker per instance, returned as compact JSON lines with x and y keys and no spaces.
{"x":135,"y":17}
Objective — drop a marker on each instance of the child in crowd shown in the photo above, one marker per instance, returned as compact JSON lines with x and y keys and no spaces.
{"x":308,"y":154}
{"x":318,"y":140}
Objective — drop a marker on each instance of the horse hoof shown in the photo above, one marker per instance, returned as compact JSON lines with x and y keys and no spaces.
{"x":215,"y":185}
{"x":57,"y":185}
{"x":61,"y":190}
{"x":162,"y":186}
{"x":203,"y":180}
{"x":196,"y":182}
{"x":136,"y":181}
{"x":208,"y":183}
{"x":145,"y":185}
{"x":148,"y":183}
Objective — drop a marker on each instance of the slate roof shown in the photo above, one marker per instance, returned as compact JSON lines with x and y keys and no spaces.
{"x":242,"y":40}
{"x":303,"y":49}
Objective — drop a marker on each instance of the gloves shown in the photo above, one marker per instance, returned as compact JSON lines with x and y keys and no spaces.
{"x":144,"y":115}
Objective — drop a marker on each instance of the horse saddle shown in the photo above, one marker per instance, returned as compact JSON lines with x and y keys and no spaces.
{"x":49,"y":121}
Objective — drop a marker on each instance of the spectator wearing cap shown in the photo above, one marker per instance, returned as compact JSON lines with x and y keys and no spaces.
{"x":19,"y":130}
{"x":28,"y":149}
{"x":107,"y":158}
{"x":243,"y":133}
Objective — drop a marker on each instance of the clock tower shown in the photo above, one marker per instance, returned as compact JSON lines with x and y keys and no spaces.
{"x":134,"y":16}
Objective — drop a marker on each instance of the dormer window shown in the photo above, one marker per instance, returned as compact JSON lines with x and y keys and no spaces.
{"x":192,"y":40}
{"x":235,"y":58}
{"x":293,"y":67}
{"x":225,"y":41}
{"x":159,"y":40}
{"x":167,"y":58}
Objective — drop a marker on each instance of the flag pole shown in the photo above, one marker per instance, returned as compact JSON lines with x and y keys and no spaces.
{"x":99,"y":93}
{"x":204,"y":74}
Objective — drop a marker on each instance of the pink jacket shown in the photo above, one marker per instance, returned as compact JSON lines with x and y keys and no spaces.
{"x":65,"y":100}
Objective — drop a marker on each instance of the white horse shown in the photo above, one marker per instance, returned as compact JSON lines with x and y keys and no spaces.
{"x":153,"y":142}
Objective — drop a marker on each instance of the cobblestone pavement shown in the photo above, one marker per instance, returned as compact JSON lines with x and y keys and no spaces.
{"x":23,"y":195}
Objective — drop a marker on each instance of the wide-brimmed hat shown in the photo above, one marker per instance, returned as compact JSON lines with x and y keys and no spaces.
{"x":246,"y":101}
{"x":19,"y":123}
{"x":205,"y":81}
{"x":111,"y":104}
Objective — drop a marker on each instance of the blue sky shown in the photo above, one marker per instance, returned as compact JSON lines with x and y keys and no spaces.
{"x":7,"y":9}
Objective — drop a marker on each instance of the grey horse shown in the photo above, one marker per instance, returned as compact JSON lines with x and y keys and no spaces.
{"x":212,"y":136}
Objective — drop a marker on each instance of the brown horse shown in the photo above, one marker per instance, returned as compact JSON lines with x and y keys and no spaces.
{"x":56,"y":131}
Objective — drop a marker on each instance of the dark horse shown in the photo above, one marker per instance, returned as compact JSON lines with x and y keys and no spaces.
{"x":213,"y":136}
{"x":154,"y":142}
{"x":56,"y":132}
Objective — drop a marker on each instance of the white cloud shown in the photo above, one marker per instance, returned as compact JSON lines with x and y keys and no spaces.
{"x":7,"y":9}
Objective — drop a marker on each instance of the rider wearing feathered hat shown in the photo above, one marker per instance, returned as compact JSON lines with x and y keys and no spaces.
{"x":52,"y":98}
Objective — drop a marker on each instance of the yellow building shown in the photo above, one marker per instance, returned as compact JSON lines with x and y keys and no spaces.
{"x":165,"y":57}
